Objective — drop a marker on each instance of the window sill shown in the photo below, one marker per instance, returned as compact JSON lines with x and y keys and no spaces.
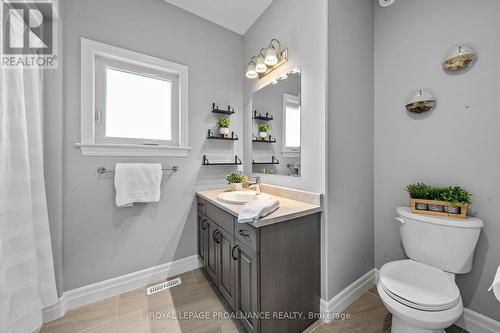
{"x":105,"y":149}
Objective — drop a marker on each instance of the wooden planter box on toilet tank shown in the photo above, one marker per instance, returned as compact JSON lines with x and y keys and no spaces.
{"x":461,"y":215}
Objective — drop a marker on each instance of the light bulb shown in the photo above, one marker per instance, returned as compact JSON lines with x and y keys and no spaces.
{"x":271,"y":57}
{"x":251,"y":73}
{"x":260,"y":67}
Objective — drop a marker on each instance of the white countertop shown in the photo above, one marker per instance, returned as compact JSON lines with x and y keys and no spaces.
{"x":289,"y":208}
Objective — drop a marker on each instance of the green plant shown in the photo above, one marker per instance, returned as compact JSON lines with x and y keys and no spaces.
{"x":418,"y":190}
{"x":264,"y":128}
{"x":236,"y":177}
{"x":435,"y":193}
{"x":456,"y":195}
{"x":224,"y":122}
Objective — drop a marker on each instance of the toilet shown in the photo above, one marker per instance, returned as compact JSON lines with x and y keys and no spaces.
{"x":421,"y":292}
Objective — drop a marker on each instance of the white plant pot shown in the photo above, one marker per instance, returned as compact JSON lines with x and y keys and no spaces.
{"x":236,"y":186}
{"x":224,"y":131}
{"x":262,"y":135}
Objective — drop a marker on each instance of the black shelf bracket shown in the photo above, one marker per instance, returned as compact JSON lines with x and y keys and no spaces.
{"x":216,"y":109}
{"x":273,"y":161}
{"x":259,"y":116}
{"x":269,"y":139}
{"x":237,"y":161}
{"x":211,"y":135}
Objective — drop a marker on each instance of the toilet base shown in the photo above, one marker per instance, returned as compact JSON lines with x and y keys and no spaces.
{"x":400,"y":326}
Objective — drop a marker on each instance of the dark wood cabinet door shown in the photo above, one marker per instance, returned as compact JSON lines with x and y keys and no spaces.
{"x":247,"y":291}
{"x":202,"y":238}
{"x":226,"y":264}
{"x":211,"y":260}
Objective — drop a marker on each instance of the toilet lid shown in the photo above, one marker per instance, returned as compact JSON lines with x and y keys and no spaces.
{"x":419,"y":286}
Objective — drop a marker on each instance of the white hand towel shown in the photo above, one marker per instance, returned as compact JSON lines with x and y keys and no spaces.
{"x":137,"y":182}
{"x":255,"y":210}
{"x":496,"y":285}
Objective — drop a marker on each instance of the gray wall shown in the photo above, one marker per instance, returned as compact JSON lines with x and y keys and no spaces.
{"x":350,"y":142}
{"x":458,"y":142}
{"x":101,"y":241}
{"x":300,"y":26}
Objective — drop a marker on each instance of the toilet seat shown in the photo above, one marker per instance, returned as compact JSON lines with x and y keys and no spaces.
{"x":419,"y":286}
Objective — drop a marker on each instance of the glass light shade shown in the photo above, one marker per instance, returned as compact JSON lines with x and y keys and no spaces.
{"x":251,"y":73}
{"x":421,"y":101}
{"x":260,"y":67}
{"x":459,"y":57}
{"x":271,"y":57}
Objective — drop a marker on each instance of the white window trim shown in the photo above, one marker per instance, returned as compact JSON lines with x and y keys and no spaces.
{"x":289,"y":151}
{"x":89,"y":51}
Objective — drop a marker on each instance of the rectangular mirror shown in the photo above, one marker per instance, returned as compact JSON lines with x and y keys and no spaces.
{"x":276,"y":126}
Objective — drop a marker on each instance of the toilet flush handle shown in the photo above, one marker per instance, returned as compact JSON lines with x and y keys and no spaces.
{"x":399,"y":219}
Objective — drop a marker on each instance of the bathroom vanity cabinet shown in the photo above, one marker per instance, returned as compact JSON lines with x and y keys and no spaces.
{"x":267,"y":274}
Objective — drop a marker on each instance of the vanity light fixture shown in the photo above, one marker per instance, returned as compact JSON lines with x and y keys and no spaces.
{"x":261,"y":66}
{"x":267,"y":60}
{"x":272,"y":52}
{"x":251,"y":72}
{"x":459,"y":57}
{"x":421,"y":101}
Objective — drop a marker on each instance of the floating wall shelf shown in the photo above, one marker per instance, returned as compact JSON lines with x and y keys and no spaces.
{"x":237,"y":161}
{"x":229,"y":111}
{"x":259,"y":116}
{"x":269,"y":139}
{"x":273,"y":161}
{"x":212,"y":136}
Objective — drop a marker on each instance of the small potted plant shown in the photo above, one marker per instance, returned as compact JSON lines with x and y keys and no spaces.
{"x":263,"y":129}
{"x":419,"y":191}
{"x":435,"y":193}
{"x":455,"y":196}
{"x":439,"y":201}
{"x":236,"y":180}
{"x":223,"y":124}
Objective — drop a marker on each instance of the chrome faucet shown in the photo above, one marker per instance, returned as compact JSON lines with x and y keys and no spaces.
{"x":256,"y":185}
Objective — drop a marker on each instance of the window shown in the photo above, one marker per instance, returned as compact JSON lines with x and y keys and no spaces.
{"x":291,"y":124}
{"x":132,"y":104}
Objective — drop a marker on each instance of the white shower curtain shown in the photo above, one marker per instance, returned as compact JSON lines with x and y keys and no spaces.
{"x":27,"y":283}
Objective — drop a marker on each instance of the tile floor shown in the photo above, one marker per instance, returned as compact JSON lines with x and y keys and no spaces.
{"x":134,"y":312}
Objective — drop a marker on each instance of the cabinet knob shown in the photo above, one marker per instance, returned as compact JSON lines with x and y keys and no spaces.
{"x":232,"y":252}
{"x":203,"y":225}
{"x":214,"y":236}
{"x":244,"y":233}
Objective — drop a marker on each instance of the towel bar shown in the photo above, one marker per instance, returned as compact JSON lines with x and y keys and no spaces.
{"x":102,"y":170}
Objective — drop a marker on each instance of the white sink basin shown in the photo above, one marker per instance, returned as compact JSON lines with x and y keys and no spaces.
{"x":240,"y":197}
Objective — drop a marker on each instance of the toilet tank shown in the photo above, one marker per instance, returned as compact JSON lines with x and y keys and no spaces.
{"x":441,"y":242}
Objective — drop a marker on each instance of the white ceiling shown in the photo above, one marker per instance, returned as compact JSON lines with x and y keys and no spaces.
{"x":235,"y":15}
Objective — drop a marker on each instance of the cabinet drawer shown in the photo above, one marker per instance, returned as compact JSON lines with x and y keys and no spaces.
{"x":201,"y":205}
{"x":247,"y":235}
{"x":222,"y":218}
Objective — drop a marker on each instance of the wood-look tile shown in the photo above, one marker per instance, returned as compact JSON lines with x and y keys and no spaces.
{"x":367,"y":315}
{"x":374,"y":290}
{"x":129,"y":323}
{"x":201,"y":277}
{"x":311,"y":328}
{"x":84,"y":317}
{"x":455,"y":329}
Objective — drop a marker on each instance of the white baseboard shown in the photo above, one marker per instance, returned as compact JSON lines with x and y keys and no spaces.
{"x":477,"y":323}
{"x":330,"y":309}
{"x":98,"y":291}
{"x":54,"y":311}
